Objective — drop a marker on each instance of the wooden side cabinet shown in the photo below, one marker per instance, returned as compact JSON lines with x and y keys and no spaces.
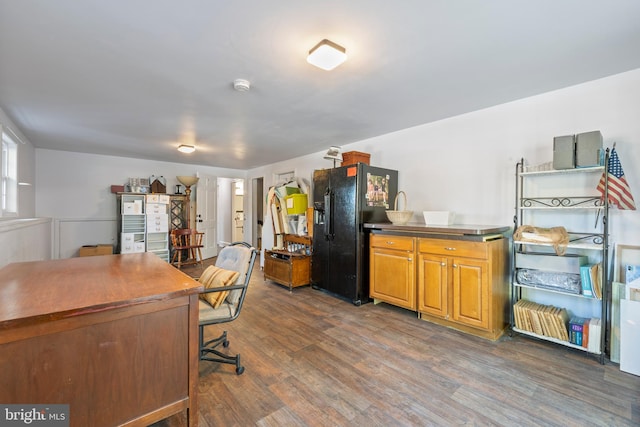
{"x":463,"y":284}
{"x":290,"y":268}
{"x":392,"y":270}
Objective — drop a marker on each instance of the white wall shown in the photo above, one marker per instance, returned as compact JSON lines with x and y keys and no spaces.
{"x":74,"y":190}
{"x":466,"y":163}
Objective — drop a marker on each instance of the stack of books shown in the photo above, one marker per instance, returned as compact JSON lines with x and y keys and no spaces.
{"x":585,"y":333}
{"x":545,"y":320}
{"x":590,"y":278}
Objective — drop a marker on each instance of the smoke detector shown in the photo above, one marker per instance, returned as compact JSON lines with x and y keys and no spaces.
{"x":241,"y":85}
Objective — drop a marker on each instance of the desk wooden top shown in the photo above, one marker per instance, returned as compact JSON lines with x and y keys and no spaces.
{"x":56,"y":289}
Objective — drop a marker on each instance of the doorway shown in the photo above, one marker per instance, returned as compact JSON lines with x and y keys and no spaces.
{"x":237,"y":210}
{"x":257,"y":187}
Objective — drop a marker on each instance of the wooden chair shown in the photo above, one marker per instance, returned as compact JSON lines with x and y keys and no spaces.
{"x":225,"y":286}
{"x":186,"y":244}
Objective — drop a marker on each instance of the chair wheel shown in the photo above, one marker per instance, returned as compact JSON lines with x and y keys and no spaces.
{"x":239,"y":370}
{"x":225,"y":343}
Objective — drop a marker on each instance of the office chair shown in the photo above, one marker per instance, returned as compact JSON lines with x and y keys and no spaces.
{"x":225,"y":285}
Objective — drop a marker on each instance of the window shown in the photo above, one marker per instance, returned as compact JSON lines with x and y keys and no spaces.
{"x":9,"y":159}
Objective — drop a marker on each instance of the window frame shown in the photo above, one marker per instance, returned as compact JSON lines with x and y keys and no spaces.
{"x":8,"y":174}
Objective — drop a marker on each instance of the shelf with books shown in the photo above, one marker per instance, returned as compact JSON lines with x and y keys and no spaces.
{"x":559,"y":261}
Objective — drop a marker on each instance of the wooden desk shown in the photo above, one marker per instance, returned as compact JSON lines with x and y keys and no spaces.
{"x":113,"y":336}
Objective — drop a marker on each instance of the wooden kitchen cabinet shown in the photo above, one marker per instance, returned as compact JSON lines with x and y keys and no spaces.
{"x":392,"y":270}
{"x":463,"y":284}
{"x":433,"y":277}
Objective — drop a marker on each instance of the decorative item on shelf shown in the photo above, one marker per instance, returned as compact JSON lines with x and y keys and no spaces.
{"x":178,"y":189}
{"x":334,"y":153}
{"x":138,"y":185}
{"x":399,"y":217}
{"x":438,"y":217}
{"x":158,"y":184}
{"x":188,"y":182}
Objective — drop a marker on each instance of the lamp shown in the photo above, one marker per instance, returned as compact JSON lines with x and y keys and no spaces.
{"x":188,"y":182}
{"x":327,"y":55}
{"x":334,"y":153}
{"x":186,"y":148}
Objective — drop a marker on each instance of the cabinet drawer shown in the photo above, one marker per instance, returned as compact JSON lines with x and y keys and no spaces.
{"x":156,"y":208}
{"x":157,"y":223}
{"x":454,"y":248}
{"x":400,"y":243}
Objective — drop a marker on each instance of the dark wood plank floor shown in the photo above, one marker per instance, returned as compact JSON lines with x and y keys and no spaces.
{"x":314,"y":360}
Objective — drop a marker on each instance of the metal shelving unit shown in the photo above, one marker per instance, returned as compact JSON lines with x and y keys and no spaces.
{"x":565,"y":210}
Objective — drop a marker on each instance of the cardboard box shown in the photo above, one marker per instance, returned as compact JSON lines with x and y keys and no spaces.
{"x":564,"y":152}
{"x":589,"y":149}
{"x":354,"y":157}
{"x":93,"y":250}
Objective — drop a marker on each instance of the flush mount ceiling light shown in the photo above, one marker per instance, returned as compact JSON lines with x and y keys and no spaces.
{"x":327,"y":55}
{"x":186,"y":148}
{"x":241,"y":85}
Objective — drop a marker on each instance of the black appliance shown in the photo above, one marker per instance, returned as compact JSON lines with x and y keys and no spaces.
{"x":344,"y":199}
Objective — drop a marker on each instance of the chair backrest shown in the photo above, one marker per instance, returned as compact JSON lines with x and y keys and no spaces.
{"x":240,"y":257}
{"x":186,"y":237}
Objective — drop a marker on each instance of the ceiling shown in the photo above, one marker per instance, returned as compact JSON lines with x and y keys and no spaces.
{"x":136,"y":78}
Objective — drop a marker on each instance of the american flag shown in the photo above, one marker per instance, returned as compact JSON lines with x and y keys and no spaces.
{"x":619,"y":191}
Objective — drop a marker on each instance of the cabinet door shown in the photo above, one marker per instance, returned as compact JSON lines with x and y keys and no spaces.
{"x":432,"y":285}
{"x":471,"y":292}
{"x":393,"y":277}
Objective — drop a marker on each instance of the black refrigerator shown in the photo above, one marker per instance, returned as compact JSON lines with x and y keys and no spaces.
{"x":344,"y":199}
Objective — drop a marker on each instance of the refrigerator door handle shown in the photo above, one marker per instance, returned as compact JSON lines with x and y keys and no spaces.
{"x":327,"y":214}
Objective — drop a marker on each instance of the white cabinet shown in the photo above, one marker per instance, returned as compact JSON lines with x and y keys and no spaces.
{"x":554,"y":245}
{"x":157,"y":209}
{"x":132,"y":223}
{"x":144,"y":224}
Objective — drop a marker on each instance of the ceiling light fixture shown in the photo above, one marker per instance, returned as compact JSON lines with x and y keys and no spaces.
{"x":327,"y":55}
{"x":186,"y":148}
{"x":241,"y":85}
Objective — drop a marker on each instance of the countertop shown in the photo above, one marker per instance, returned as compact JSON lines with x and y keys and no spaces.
{"x":453,"y":229}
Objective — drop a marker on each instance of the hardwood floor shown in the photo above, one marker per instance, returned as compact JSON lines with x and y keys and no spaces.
{"x":315,"y":360}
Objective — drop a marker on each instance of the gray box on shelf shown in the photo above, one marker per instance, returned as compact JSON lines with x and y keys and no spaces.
{"x":588,"y":149}
{"x":568,"y":263}
{"x":564,"y":152}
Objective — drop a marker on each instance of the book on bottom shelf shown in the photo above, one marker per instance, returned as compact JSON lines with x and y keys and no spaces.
{"x":545,"y":320}
{"x":576,"y":328}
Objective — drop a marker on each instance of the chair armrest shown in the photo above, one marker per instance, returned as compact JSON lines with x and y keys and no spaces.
{"x":222,"y":288}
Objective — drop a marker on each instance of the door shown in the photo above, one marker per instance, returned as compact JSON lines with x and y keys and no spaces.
{"x":344,"y":236}
{"x":320,"y":253}
{"x":471,"y":292}
{"x":258,"y":212}
{"x":392,"y":277}
{"x":206,"y":196}
{"x":432,"y":285}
